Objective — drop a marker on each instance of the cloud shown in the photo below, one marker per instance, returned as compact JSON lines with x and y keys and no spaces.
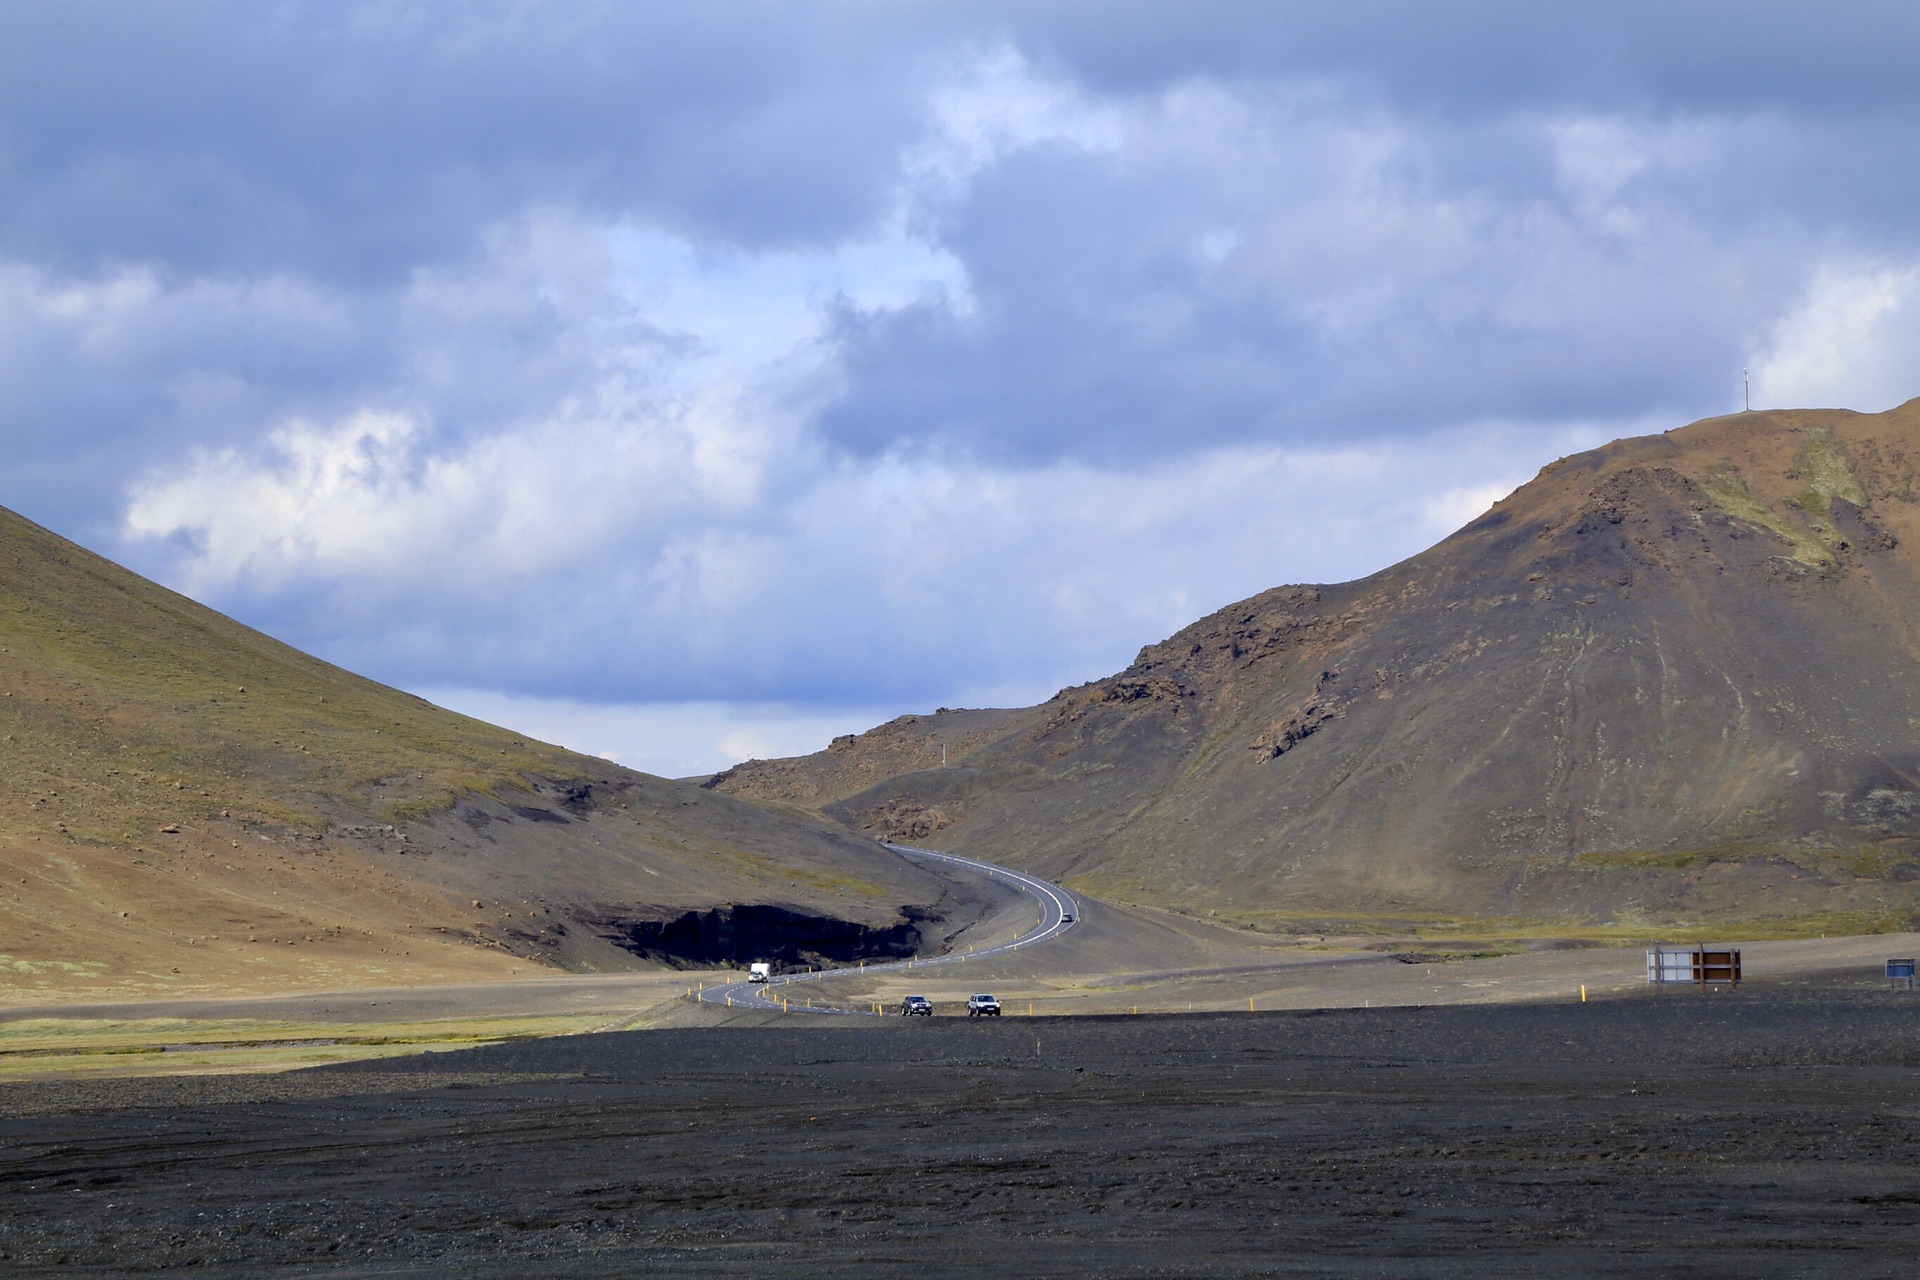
{"x":1487,"y":56}
{"x":355,"y":142}
{"x":1216,"y":263}
{"x":1849,"y":343}
{"x":870,"y":355}
{"x":638,"y":554}
{"x":673,"y":739}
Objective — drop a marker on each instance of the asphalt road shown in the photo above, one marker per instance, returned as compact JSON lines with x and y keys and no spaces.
{"x":1059,"y":912}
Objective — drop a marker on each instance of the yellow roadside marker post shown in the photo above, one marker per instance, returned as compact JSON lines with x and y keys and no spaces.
{"x":1249,"y":1004}
{"x":1583,"y":993}
{"x":1029,"y":1009}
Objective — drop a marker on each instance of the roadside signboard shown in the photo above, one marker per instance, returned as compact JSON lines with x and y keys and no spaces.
{"x":1699,"y":966}
{"x":1900,"y":973}
{"x":1669,"y":964}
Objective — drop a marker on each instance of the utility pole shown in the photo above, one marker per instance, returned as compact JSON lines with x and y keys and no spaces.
{"x":1746,"y":392}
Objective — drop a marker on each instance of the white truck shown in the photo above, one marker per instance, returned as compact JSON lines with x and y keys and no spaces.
{"x":759,"y":971}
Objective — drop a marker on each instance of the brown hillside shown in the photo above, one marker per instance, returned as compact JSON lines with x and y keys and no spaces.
{"x":188,"y":806}
{"x":1669,"y":681}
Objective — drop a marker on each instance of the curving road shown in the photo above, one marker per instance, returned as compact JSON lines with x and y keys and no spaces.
{"x":1058,"y":913}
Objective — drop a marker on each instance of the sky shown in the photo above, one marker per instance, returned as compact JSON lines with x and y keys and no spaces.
{"x":689,"y":383}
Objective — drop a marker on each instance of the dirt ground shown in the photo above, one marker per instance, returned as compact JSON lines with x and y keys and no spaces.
{"x":1118,"y":959}
{"x":1768,"y":1132}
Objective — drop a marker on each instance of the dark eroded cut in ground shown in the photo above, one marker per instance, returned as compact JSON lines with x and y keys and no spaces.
{"x":792,"y":941}
{"x":1768,"y":1133}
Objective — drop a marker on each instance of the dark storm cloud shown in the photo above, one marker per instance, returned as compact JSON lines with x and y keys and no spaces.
{"x":363,"y":140}
{"x":1495,"y":55}
{"x":1463,"y":273}
{"x":369,"y":138}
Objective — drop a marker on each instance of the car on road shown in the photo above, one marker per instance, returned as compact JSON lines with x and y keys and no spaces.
{"x":982,"y":1006}
{"x":1066,"y":917}
{"x":759,"y":971}
{"x":916,"y":1007}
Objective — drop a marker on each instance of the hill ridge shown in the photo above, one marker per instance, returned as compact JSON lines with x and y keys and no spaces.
{"x":188,"y":805}
{"x":1670,"y":681}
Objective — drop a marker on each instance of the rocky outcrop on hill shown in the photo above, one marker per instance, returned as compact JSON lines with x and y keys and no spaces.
{"x":1675,"y":679}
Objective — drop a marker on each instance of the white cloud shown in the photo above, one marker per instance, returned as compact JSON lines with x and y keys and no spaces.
{"x":1456,"y":507}
{"x":672,"y":739}
{"x":943,"y":575}
{"x":376,"y":495}
{"x":1850,"y":343}
{"x":744,"y":312}
{"x":994,"y":105}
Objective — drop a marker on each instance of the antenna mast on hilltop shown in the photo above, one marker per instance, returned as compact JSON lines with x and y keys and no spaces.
{"x":1746,"y":392}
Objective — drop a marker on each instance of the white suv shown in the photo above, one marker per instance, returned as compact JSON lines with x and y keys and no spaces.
{"x":982,"y":1006}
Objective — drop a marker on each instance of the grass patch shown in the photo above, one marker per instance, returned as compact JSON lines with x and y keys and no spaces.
{"x":1874,"y":862}
{"x":65,"y":1047}
{"x":1464,"y":937}
{"x":1680,"y":859}
{"x":1824,"y":924}
{"x":771,"y":869}
{"x":1487,"y":937}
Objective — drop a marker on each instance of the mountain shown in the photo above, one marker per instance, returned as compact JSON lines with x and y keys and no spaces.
{"x":1671,"y":682}
{"x":187,"y":805}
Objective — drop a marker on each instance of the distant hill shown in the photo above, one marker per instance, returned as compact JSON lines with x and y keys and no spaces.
{"x":187,"y":806}
{"x":1672,"y":682}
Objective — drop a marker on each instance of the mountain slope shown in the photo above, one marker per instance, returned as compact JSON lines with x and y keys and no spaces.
{"x":187,"y":805}
{"x":1669,"y":681}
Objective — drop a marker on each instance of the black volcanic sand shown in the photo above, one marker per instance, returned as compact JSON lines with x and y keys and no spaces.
{"x":1759,"y":1133}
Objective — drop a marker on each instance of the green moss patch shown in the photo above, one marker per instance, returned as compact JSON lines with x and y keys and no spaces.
{"x":1730,"y":493}
{"x":1828,"y":476}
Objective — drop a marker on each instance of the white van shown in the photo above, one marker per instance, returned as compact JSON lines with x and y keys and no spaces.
{"x":759,"y":971}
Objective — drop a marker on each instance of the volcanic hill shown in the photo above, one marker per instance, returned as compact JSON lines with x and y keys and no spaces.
{"x":188,"y":806}
{"x":1673,"y":681}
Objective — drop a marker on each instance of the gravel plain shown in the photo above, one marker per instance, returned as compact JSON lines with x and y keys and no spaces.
{"x":1765,"y":1132}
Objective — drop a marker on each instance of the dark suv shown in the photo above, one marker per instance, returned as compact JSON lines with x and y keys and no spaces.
{"x":916,"y":1007}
